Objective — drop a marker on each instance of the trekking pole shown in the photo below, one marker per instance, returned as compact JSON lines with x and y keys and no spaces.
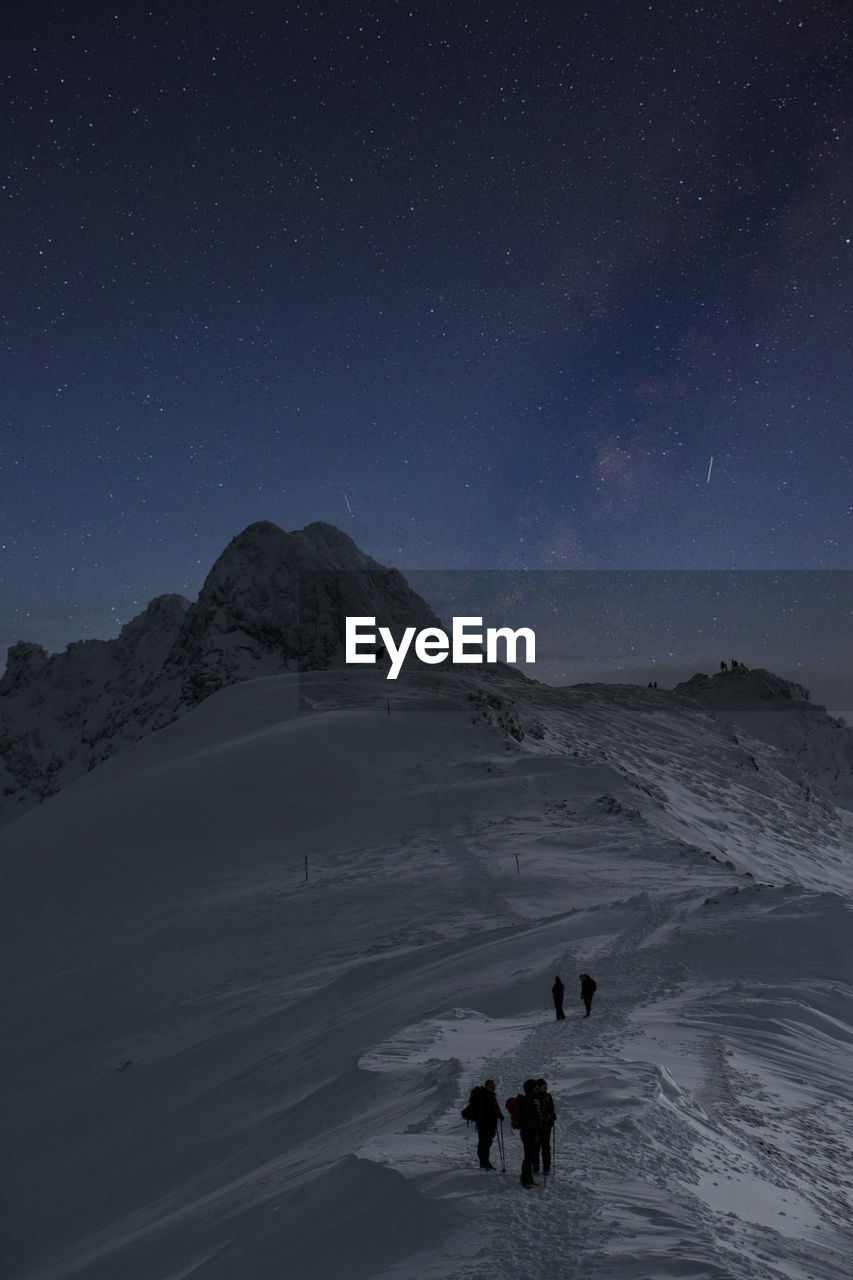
{"x":501,"y":1146}
{"x":554,"y":1152}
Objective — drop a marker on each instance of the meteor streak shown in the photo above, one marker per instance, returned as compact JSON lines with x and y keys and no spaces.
{"x":710,"y":465}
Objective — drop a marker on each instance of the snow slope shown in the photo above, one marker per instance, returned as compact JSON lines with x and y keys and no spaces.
{"x":217,"y":1068}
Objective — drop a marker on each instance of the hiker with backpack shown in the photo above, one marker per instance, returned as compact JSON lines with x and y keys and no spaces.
{"x":549,"y":1116}
{"x":557,"y":992}
{"x":527,"y":1118}
{"x":484,"y":1109}
{"x":589,"y":986}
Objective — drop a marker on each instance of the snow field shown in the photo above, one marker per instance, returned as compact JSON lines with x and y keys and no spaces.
{"x":221,"y":1069}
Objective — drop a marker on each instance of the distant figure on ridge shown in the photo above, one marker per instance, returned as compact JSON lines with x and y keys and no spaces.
{"x":557,"y":992}
{"x":723,"y":666}
{"x":484,"y":1109}
{"x":549,"y":1115}
{"x":589,"y":986}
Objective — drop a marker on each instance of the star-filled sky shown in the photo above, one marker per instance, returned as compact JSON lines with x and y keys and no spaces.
{"x":487,"y":285}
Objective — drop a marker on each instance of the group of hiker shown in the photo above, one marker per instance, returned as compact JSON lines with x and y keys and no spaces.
{"x":531,"y":1112}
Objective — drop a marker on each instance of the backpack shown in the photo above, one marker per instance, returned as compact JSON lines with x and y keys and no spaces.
{"x":525,"y":1112}
{"x":511,"y":1105}
{"x":470,"y":1110}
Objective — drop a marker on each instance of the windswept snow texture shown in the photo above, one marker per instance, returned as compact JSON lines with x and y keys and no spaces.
{"x":215,"y":1067}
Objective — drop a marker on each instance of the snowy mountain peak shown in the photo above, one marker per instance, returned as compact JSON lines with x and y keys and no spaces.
{"x":277,"y":601}
{"x":273,"y":602}
{"x":322,"y":539}
{"x":318,"y":544}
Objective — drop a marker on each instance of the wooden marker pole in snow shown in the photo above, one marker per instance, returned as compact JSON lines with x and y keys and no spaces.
{"x":517,"y":867}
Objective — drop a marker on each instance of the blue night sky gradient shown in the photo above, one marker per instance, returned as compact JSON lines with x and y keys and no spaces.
{"x":484,"y":284}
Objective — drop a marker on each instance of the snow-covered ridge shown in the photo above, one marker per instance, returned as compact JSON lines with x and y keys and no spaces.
{"x":272,"y":602}
{"x":750,"y":743}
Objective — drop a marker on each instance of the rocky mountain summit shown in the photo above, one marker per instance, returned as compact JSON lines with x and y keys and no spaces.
{"x":808,"y":744}
{"x":273,"y":602}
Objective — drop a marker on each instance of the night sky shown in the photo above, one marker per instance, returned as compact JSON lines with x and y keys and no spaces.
{"x":486,"y":285}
